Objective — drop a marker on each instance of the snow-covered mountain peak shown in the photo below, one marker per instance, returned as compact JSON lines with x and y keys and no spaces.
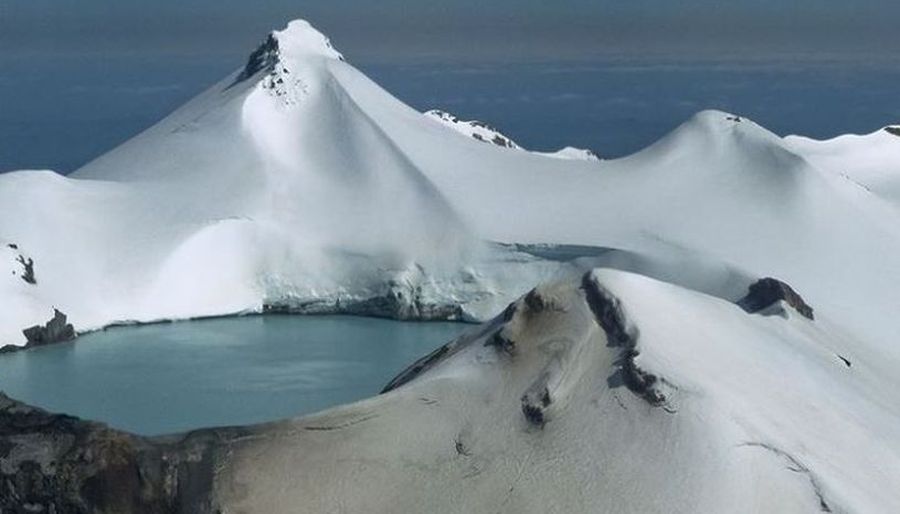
{"x":721,"y":121}
{"x":329,"y":191}
{"x":713,"y":132}
{"x":299,"y":40}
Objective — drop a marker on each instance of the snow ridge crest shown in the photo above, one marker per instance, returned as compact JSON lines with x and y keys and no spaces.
{"x":298,"y":40}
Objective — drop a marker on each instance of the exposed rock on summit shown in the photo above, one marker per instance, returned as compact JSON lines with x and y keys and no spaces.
{"x":263,"y":58}
{"x":765,"y":292}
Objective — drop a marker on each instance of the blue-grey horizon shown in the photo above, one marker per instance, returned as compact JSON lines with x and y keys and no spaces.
{"x":78,"y":78}
{"x":462,"y":30}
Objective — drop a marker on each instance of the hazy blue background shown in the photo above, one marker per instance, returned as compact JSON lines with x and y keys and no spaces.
{"x":78,"y":77}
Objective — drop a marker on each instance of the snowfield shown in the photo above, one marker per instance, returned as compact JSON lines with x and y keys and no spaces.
{"x":872,"y":161}
{"x":297,"y":184}
{"x":618,"y":393}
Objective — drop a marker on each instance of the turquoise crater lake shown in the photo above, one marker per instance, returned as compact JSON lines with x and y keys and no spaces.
{"x":171,"y":377}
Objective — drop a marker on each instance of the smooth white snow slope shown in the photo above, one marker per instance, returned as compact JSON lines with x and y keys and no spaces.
{"x":872,"y":161}
{"x":299,"y":183}
{"x":273,"y":187}
{"x":570,"y":152}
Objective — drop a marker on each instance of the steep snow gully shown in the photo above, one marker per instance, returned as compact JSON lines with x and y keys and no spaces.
{"x":705,"y":326}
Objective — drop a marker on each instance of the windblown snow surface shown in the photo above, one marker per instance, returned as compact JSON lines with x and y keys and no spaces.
{"x":298,"y":184}
{"x":872,"y":161}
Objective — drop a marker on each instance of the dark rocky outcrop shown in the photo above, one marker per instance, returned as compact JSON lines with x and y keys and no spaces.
{"x":609,"y":315}
{"x":535,"y":301}
{"x":608,"y":312}
{"x":57,"y":463}
{"x":27,"y":269}
{"x":502,"y":141}
{"x":637,"y":380}
{"x":501,"y":343}
{"x":55,"y":331}
{"x":534,"y":404}
{"x":765,"y":292}
{"x":497,"y":138}
{"x":263,"y":58}
{"x":895,"y":130}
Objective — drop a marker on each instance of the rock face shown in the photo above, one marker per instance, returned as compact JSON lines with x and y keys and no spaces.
{"x":263,"y":58}
{"x":27,"y":269}
{"x":57,"y":463}
{"x":895,"y":130}
{"x":611,"y":317}
{"x":55,"y":331}
{"x":765,"y":292}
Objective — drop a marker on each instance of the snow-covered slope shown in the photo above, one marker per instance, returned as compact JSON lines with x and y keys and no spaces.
{"x":872,"y":161}
{"x":615,"y":393}
{"x":570,"y":152}
{"x":299,"y":183}
{"x":481,"y":131}
{"x":273,"y":188}
{"x":604,"y":392}
{"x":477,"y":130}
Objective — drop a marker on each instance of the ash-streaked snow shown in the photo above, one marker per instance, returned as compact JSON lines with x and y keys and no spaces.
{"x":750,"y":413}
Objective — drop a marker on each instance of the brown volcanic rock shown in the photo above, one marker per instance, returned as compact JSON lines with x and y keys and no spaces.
{"x":62,"y":464}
